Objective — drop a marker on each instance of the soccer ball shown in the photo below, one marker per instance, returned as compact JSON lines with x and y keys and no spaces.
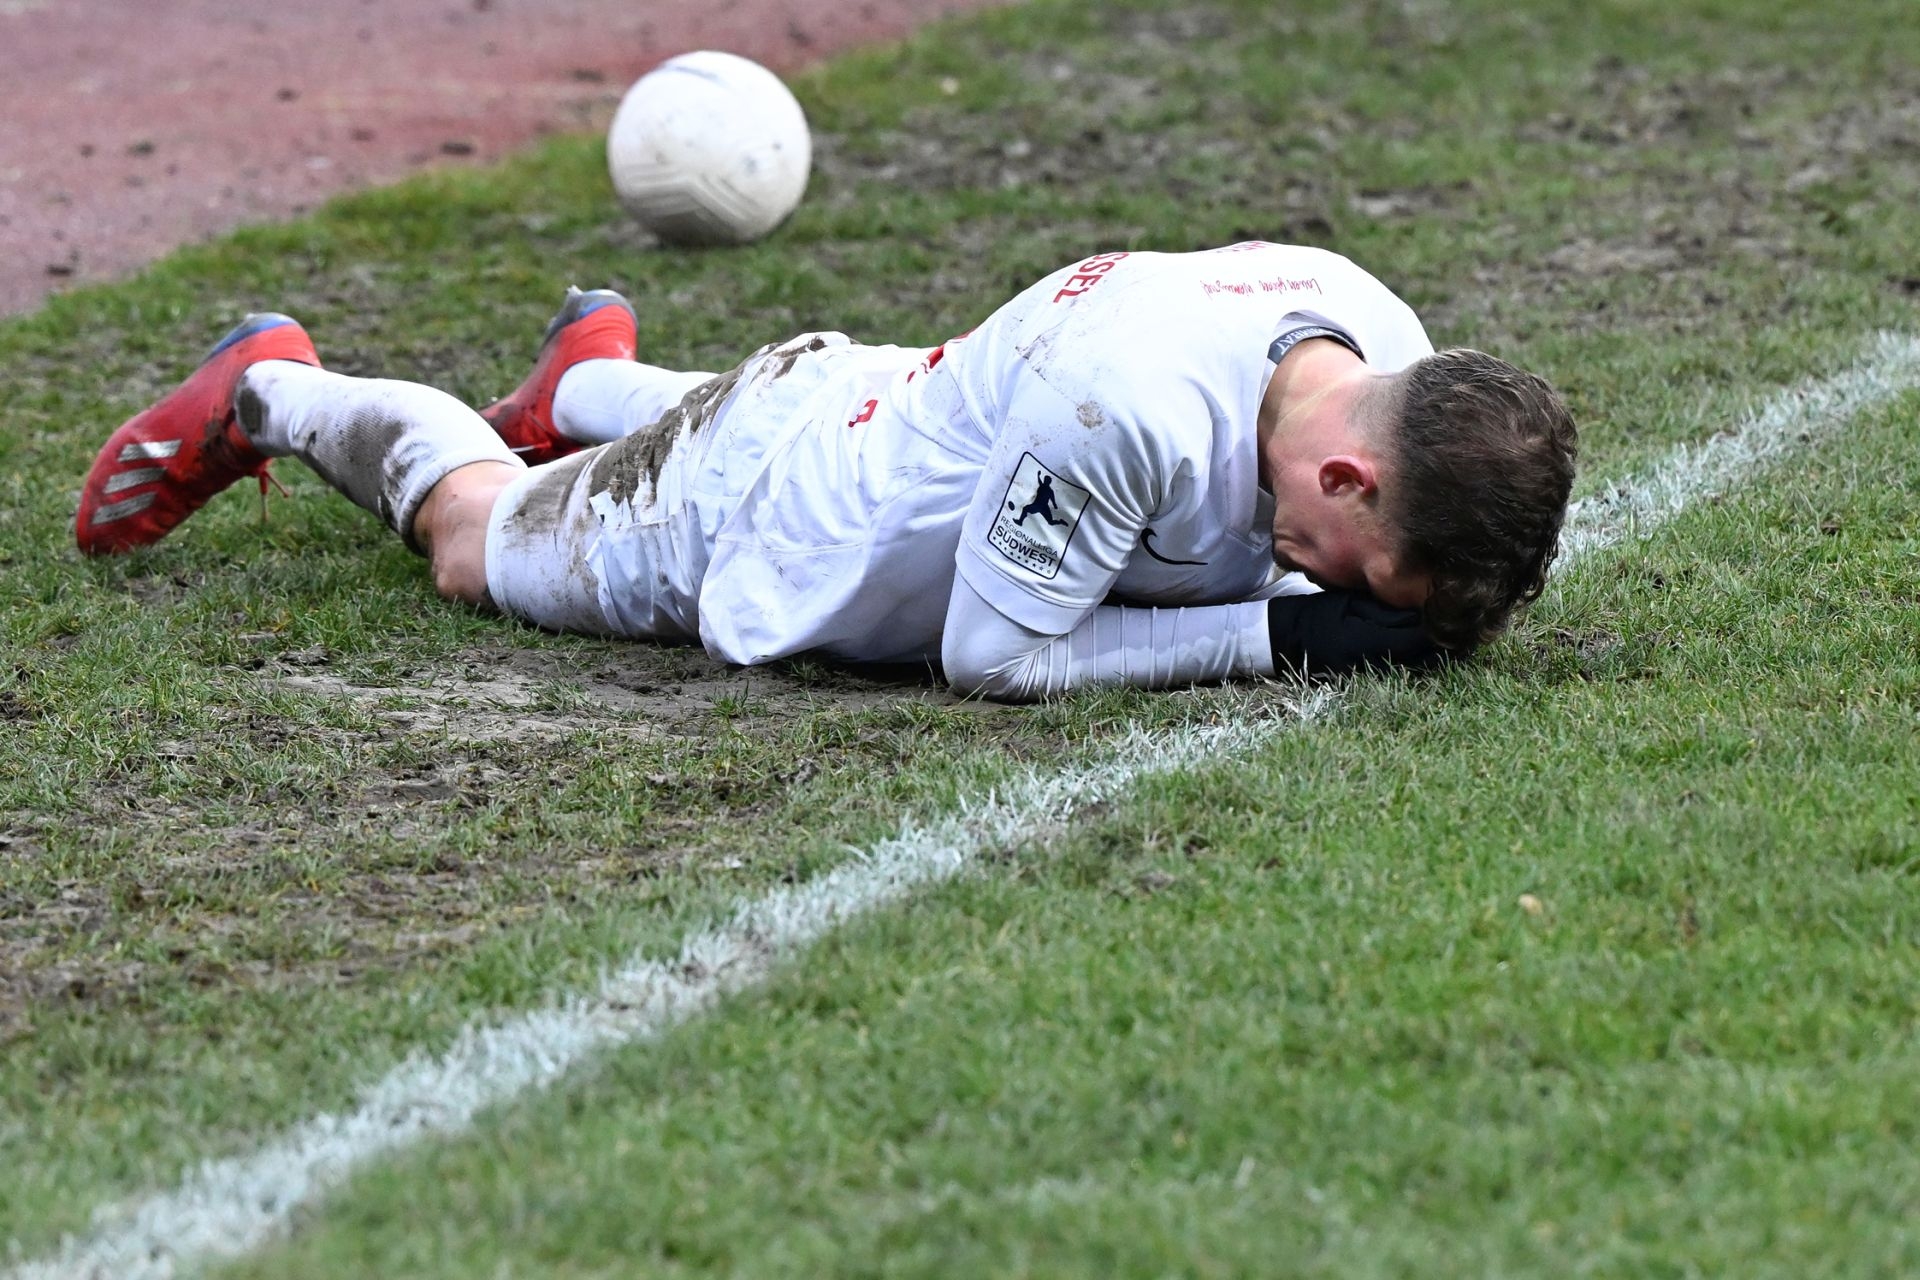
{"x":709,"y":148}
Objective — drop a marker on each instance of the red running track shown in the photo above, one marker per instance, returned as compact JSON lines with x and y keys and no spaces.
{"x":133,"y":126}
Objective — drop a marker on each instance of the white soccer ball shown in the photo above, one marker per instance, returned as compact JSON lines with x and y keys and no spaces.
{"x":709,"y":148}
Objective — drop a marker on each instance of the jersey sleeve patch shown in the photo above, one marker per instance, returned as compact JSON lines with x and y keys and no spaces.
{"x":1037,"y":518}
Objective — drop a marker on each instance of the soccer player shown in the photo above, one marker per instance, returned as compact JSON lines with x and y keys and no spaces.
{"x":1146,"y":469}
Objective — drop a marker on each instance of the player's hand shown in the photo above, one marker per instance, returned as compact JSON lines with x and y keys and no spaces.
{"x":1334,"y":632}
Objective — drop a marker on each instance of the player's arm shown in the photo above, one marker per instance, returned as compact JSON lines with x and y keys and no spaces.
{"x":987,"y":654}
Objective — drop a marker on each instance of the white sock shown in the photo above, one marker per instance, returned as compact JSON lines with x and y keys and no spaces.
{"x":383,"y":443}
{"x":599,"y":401}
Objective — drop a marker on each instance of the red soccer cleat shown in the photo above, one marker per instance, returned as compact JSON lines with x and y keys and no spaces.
{"x":591,"y":326}
{"x":163,"y":465}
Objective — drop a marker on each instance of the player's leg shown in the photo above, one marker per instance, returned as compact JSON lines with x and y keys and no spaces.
{"x":586,"y":388}
{"x":384,"y":443}
{"x":600,"y":401}
{"x":602,"y":542}
{"x":430,"y":467}
{"x":260,"y":394}
{"x":616,"y":539}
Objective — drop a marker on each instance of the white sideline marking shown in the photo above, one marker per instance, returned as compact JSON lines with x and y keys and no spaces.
{"x":1790,"y":422}
{"x":227,"y":1207}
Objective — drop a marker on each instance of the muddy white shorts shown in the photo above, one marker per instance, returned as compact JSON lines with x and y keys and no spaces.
{"x":615,"y":540}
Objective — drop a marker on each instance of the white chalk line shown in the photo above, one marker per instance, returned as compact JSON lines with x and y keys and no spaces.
{"x":225,"y":1208}
{"x":1790,"y":422}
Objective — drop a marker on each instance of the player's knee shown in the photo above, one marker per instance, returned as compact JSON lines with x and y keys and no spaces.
{"x":452,"y":526}
{"x":460,"y":575}
{"x":457,"y":547}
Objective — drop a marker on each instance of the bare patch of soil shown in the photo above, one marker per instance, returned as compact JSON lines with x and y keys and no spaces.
{"x":634,"y":690}
{"x":319,"y":881}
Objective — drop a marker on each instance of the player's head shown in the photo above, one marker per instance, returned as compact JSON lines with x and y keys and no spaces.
{"x":1480,"y":458}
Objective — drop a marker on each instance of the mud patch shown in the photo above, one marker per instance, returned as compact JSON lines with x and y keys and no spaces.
{"x":544,"y":504}
{"x":622,"y":467}
{"x":153,"y":941}
{"x":249,"y":408}
{"x":157,"y":591}
{"x":626,"y":465}
{"x":541,"y":569}
{"x":628,"y":690}
{"x":463,"y":796}
{"x":783,"y":359}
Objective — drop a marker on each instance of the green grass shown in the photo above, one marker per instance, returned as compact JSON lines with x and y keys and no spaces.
{"x":1283,"y":1016}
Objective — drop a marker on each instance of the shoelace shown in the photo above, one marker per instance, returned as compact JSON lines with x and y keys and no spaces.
{"x":265,"y":475}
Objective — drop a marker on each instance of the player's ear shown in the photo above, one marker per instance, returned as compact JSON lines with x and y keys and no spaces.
{"x":1347,"y":473}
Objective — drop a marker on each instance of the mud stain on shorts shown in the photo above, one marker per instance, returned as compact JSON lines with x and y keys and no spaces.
{"x":789,"y":355}
{"x":545,"y":545}
{"x":625,"y":465}
{"x":543,"y":507}
{"x":633,"y":463}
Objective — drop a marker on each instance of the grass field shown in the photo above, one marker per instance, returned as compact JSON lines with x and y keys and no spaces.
{"x":1599,"y":956}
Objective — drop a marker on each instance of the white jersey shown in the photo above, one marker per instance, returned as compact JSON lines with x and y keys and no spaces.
{"x":1094,"y":440}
